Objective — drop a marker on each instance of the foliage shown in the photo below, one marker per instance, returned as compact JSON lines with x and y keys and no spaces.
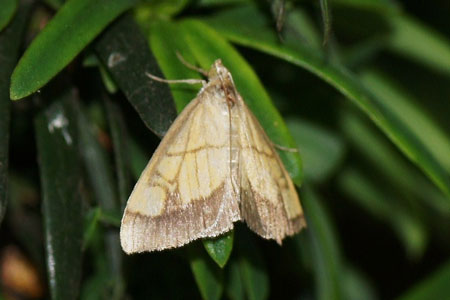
{"x":359,"y":86}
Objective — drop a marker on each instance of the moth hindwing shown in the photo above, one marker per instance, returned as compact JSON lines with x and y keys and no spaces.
{"x":214,"y":166}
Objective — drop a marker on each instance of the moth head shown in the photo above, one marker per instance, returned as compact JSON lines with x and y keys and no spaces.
{"x":218,"y":71}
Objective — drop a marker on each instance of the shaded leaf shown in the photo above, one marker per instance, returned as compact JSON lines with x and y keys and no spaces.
{"x":234,"y":284}
{"x":411,"y":38}
{"x":61,"y":180}
{"x":101,"y":180}
{"x":10,"y":40}
{"x":384,"y":6}
{"x":389,"y":162}
{"x":409,"y":110}
{"x":7,"y":12}
{"x":326,"y":20}
{"x":96,"y":162}
{"x":356,"y":286}
{"x":76,"y":24}
{"x":384,"y":205}
{"x":219,"y":248}
{"x":125,"y":53}
{"x":90,"y":225}
{"x":138,"y":158}
{"x":252,"y":267}
{"x":208,"y":276}
{"x":322,"y":150}
{"x":119,"y":135}
{"x":434,"y":287}
{"x":240,"y":29}
{"x":324,"y":247}
{"x":165,"y":52}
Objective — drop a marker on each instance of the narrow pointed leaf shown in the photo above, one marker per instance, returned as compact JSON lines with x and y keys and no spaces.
{"x":324,"y":248}
{"x":62,"y":199}
{"x":121,"y":150}
{"x":208,"y":276}
{"x":219,"y":248}
{"x":252,"y":267}
{"x":125,"y":53}
{"x":384,"y":205}
{"x":415,"y":40}
{"x":10,"y":40}
{"x":96,"y":162}
{"x":253,"y":32}
{"x":434,"y":287}
{"x":74,"y":26}
{"x":322,"y":150}
{"x":234,"y":285}
{"x":7,"y":12}
{"x":411,"y":112}
{"x":326,"y":20}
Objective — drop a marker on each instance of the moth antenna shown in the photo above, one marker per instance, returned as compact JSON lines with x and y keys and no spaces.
{"x":188,"y":81}
{"x":287,"y":149}
{"x":191,"y":66}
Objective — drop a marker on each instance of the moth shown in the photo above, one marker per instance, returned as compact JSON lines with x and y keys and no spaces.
{"x":215,"y":166}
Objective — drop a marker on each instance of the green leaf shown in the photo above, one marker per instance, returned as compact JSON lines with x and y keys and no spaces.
{"x":120,"y":137}
{"x":61,"y":182}
{"x":76,"y":24}
{"x":108,"y":82}
{"x":409,"y":110}
{"x":413,"y":39}
{"x":90,"y":225}
{"x":151,"y":9}
{"x":252,"y":267}
{"x":128,"y":66}
{"x":165,"y":52}
{"x":234,"y":285}
{"x":96,"y":162}
{"x":387,"y":161}
{"x":383,"y":6}
{"x":356,"y":286}
{"x":326,"y":20}
{"x":100,"y":176}
{"x":235,"y":25}
{"x":324,"y":247}
{"x":322,"y":150}
{"x":208,"y":3}
{"x":138,"y":158}
{"x":434,"y":287}
{"x":9,"y":7}
{"x":219,"y":248}
{"x":208,"y":276}
{"x":384,"y":205}
{"x":10,"y":40}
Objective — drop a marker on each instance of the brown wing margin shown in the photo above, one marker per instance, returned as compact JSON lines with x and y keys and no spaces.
{"x":269,"y":203}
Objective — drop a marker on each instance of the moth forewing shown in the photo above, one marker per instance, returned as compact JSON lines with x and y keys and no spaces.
{"x":215,"y":166}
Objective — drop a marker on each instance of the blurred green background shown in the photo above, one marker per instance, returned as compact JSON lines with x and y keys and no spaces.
{"x":361,"y":87}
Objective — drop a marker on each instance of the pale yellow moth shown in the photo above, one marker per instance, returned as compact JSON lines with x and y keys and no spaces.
{"x":214,"y":166}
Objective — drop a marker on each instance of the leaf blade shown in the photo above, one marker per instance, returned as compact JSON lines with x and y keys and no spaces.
{"x":62,"y":199}
{"x":129,"y":65}
{"x":10,"y":40}
{"x":76,"y":24}
{"x":9,"y":7}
